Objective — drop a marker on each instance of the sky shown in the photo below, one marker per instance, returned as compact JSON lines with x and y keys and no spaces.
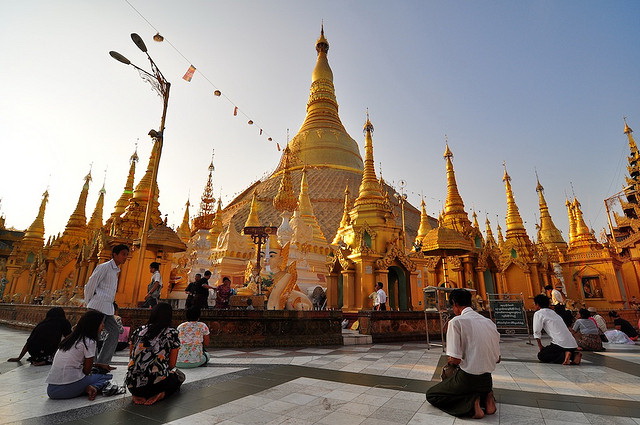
{"x":539,"y":85}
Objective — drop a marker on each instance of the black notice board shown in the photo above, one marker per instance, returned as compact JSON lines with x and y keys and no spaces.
{"x":509,"y":314}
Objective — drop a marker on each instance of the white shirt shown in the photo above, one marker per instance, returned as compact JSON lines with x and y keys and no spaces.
{"x":556,"y":297}
{"x":155,"y":278}
{"x":67,"y":365}
{"x":100,"y":290}
{"x":381,"y":297}
{"x":554,"y":326}
{"x":475,"y":340}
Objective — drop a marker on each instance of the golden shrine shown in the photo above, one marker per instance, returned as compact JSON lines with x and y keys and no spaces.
{"x":342,"y":231}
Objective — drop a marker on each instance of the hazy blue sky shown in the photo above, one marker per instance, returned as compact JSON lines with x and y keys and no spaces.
{"x":539,"y":84}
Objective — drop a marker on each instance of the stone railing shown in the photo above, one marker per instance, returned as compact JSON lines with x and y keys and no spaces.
{"x":229,"y":328}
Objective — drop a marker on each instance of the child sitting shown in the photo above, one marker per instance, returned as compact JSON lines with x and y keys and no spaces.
{"x":194,"y":335}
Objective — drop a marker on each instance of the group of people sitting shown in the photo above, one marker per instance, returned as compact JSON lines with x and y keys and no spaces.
{"x":156,"y":352}
{"x":570,"y":336}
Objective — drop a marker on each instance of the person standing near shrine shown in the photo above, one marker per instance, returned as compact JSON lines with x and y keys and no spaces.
{"x":380,"y":303}
{"x":192,"y":291}
{"x":99,"y":295}
{"x":154,"y":287}
{"x":473,"y":350}
{"x":202,"y":291}
{"x":562,"y":349}
{"x":557,"y":297}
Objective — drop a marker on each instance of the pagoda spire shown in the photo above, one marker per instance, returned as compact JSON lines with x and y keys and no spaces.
{"x":346,"y":219}
{"x":490,"y":240}
{"x":122,"y":203}
{"x":633,"y":181}
{"x":216,"y":225}
{"x":184,"y":231}
{"x":455,"y":216}
{"x":141,"y":191}
{"x":500,"y":237}
{"x":322,"y":140}
{"x":515,"y":227}
{"x":285,"y":199}
{"x":96,"y":218}
{"x":207,"y":203}
{"x":548,"y":233}
{"x":583,"y":235}
{"x":572,"y":221}
{"x":306,"y":210}
{"x":253,"y":220}
{"x":36,"y":230}
{"x":78,"y":219}
{"x":370,"y":191}
{"x":425,"y":226}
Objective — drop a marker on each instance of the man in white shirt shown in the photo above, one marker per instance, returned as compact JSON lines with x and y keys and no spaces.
{"x":557,"y":296}
{"x":562,"y":349}
{"x":154,"y":287}
{"x":99,"y":294}
{"x":473,"y":344}
{"x":380,"y":303}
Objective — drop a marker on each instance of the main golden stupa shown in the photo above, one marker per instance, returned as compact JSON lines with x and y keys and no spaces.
{"x":329,"y":155}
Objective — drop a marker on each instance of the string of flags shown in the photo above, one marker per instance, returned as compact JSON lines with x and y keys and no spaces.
{"x":189,"y":74}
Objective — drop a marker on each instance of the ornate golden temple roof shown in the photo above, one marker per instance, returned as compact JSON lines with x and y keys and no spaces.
{"x":96,"y":218}
{"x":549,"y":235}
{"x":163,"y":236}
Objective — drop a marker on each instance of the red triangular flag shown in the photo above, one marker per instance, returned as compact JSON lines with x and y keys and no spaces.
{"x":235,"y":111}
{"x":189,"y":74}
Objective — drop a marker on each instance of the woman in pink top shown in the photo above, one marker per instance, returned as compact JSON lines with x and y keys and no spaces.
{"x":194,"y":336}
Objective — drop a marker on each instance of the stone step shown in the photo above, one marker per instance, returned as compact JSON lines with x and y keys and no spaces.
{"x":351,"y":337}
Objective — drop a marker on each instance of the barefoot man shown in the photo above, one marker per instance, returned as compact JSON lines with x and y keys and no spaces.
{"x":99,"y":294}
{"x":473,"y":346}
{"x":562,"y":349}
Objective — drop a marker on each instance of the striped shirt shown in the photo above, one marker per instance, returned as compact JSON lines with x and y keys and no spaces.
{"x":100,"y":290}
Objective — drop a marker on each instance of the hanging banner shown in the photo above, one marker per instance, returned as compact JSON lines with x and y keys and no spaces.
{"x":189,"y":74}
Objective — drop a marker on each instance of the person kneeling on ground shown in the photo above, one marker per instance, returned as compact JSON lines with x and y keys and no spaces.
{"x":622,"y":325}
{"x":587,"y":334}
{"x":45,"y":338}
{"x":151,"y":374}
{"x":194,"y":336}
{"x":562,"y":349}
{"x":70,"y":375}
{"x":473,"y":346}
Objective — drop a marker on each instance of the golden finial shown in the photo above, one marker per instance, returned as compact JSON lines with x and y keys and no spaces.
{"x":211,"y":167}
{"x":322,"y":45}
{"x":627,"y":129}
{"x":447,"y":151}
{"x":285,"y":199}
{"x":425,"y":226}
{"x":370,"y":188}
{"x":253,"y":220}
{"x":36,"y":230}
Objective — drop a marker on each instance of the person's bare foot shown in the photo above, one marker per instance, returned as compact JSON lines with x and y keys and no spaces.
{"x":477,"y":410}
{"x":577,"y":359}
{"x":42,"y":363}
{"x":567,"y":358}
{"x":138,"y":400}
{"x":490,"y":404}
{"x":91,"y":391}
{"x":154,"y":399}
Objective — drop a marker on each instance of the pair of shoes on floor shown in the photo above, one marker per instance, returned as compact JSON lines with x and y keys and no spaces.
{"x":112,"y":389}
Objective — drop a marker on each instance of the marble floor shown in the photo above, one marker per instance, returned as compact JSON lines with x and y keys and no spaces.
{"x":378,"y":384}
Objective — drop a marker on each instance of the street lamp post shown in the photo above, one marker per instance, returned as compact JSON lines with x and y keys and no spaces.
{"x":162,"y":87}
{"x":402,"y":198}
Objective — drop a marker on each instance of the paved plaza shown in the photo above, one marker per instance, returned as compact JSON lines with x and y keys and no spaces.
{"x":379,"y":384}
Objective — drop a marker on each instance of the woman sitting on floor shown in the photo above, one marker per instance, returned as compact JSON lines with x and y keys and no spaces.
{"x":194,"y":336}
{"x":45,"y":338}
{"x":586,"y":332}
{"x":151,"y":374}
{"x":70,"y":375}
